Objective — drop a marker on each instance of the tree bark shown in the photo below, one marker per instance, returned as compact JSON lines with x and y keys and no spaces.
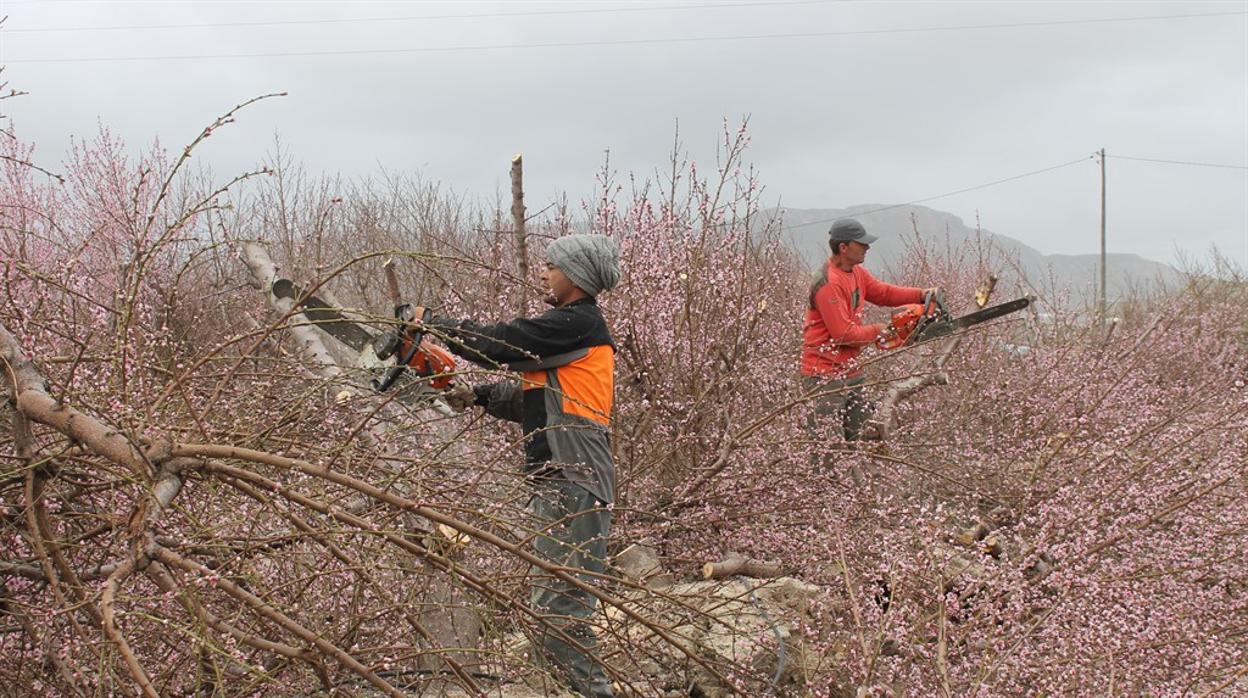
{"x":517,"y":219}
{"x":736,"y":564}
{"x":885,"y":419}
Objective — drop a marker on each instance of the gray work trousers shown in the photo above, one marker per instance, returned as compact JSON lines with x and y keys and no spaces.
{"x":572,"y":532}
{"x":842,"y":400}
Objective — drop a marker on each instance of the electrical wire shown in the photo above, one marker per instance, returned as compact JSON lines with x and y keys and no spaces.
{"x":407,"y":18}
{"x":1178,"y":162}
{"x":624,"y":42}
{"x":952,"y":193}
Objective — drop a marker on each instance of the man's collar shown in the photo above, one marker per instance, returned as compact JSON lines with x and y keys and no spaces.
{"x":833,"y":265}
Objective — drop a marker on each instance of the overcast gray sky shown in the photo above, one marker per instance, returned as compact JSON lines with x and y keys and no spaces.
{"x":849,"y":102}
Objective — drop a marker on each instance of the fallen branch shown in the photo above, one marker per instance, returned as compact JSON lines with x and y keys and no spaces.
{"x":517,"y":550}
{"x":309,"y":341}
{"x":884,"y":422}
{"x":268,"y":612}
{"x":736,"y":564}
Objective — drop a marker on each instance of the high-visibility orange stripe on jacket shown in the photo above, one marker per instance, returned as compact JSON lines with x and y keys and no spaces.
{"x":564,"y":409}
{"x":586,"y":384}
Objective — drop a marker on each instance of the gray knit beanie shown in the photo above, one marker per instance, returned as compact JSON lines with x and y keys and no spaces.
{"x":592,"y":262}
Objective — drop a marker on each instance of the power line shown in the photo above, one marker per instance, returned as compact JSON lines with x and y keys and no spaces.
{"x":1180,"y":162}
{"x":952,"y":193}
{"x":406,"y":18}
{"x":626,"y":42}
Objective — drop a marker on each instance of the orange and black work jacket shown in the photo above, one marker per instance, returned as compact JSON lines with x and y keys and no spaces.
{"x":566,"y":361}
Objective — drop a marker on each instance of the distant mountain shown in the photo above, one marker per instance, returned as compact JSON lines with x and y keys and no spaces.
{"x":1048,"y":275}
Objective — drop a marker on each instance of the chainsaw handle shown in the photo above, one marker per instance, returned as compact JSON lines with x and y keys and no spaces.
{"x":392,"y":374}
{"x":414,"y":337}
{"x":934,"y":300}
{"x":388,"y":378}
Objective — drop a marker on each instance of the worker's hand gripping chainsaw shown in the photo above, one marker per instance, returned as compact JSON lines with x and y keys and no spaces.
{"x":407,"y":341}
{"x":919,"y":322}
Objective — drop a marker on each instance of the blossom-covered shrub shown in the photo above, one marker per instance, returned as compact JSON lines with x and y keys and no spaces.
{"x":198,"y":506}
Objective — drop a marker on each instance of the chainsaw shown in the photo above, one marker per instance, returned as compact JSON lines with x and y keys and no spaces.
{"x":405,"y":342}
{"x":920,"y":322}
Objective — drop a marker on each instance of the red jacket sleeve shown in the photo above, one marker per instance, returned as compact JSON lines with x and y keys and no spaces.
{"x":880,"y":293}
{"x":833,"y":304}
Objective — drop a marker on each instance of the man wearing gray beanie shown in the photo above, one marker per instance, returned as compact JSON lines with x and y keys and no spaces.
{"x":563,"y":400}
{"x":591,"y":262}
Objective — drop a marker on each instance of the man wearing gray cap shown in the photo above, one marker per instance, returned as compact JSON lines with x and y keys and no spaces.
{"x":562,"y":399}
{"x":833,"y":333}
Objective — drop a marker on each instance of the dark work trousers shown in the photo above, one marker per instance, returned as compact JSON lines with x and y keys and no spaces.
{"x":842,"y":400}
{"x":572,"y":527}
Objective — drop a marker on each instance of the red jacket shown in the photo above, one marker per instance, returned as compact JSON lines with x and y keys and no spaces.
{"x":833,"y":333}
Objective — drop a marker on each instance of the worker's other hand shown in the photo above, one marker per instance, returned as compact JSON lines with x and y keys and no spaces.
{"x":933,"y":291}
{"x":884,"y":333}
{"x":460,"y":397}
{"x":418,"y":314}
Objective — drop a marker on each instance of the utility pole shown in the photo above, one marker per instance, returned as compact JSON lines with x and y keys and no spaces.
{"x":1102,"y":312}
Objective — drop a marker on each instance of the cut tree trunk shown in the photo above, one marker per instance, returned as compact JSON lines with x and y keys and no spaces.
{"x":735,"y":564}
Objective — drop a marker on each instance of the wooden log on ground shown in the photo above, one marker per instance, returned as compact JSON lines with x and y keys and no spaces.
{"x":735,"y":564}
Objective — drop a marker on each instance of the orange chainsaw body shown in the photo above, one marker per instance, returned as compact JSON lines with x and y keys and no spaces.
{"x":908,"y":318}
{"x":431,"y":361}
{"x":902,"y":325}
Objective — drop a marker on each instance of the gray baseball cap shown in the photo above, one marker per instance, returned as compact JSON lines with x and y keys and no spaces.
{"x":848,"y":229}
